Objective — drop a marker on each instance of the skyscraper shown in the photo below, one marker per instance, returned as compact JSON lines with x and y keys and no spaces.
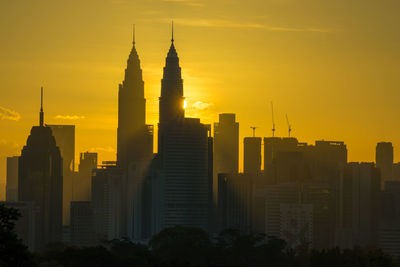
{"x":65,"y":140}
{"x":384,"y":161}
{"x":12,"y":179}
{"x":82,"y":185}
{"x":180,"y":177}
{"x":226,"y":148}
{"x":134,"y":137}
{"x":40,"y":181}
{"x":252,"y":155}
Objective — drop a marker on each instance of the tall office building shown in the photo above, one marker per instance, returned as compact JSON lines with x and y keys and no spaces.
{"x":82,"y":185}
{"x":65,"y":140}
{"x":134,"y":137}
{"x":81,"y":225}
{"x":252,"y":155}
{"x":235,"y":198}
{"x":359,"y":205}
{"x":40,"y":181}
{"x":226,"y":148}
{"x":12,"y":179}
{"x":180,"y":175}
{"x":275,"y":145}
{"x":384,"y":161}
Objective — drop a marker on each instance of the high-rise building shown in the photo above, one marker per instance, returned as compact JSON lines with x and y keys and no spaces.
{"x":389,"y":226}
{"x":40,"y":181}
{"x":275,"y":145}
{"x":134,"y":137}
{"x":235,"y":198}
{"x":82,"y":185}
{"x":226,"y":144}
{"x":384,"y":161}
{"x":81,"y":225}
{"x":296,"y":224}
{"x":252,"y":155}
{"x":359,"y":205}
{"x":12,"y":179}
{"x":180,"y":173}
{"x":108,"y":202}
{"x":65,"y":140}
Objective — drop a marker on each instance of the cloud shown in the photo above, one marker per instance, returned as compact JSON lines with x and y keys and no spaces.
{"x":186,"y":2}
{"x":70,"y":117}
{"x":219,"y":23}
{"x":102,"y":149}
{"x":8,"y":114}
{"x":199,"y":105}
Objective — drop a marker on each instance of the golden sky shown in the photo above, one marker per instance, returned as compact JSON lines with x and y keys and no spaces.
{"x":332,"y":66}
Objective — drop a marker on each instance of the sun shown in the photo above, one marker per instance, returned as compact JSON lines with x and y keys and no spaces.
{"x":185,"y":104}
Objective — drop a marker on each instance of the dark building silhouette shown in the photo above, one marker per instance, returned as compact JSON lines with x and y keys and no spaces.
{"x":359,"y":205}
{"x":226,"y":148}
{"x":40,"y":181}
{"x":384,"y":161}
{"x":171,"y":99}
{"x":252,"y":155}
{"x":235,"y":199}
{"x":82,"y":185}
{"x":81,"y":225}
{"x":389,"y":226}
{"x":135,"y":138}
{"x":274,"y":145}
{"x":65,"y":140}
{"x":12,"y":179}
{"x":181,"y":170}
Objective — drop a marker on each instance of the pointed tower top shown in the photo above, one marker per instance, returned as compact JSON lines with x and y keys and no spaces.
{"x":172,"y":39}
{"x":41,"y":114}
{"x":133,"y":34}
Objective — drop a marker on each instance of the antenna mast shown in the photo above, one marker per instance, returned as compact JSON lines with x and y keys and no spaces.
{"x":289,"y":125}
{"x":41,"y":115}
{"x":254,"y":130}
{"x":273,"y":119}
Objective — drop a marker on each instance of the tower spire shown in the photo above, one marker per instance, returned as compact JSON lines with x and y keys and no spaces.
{"x":172,"y":37}
{"x":133,"y":34}
{"x":41,"y":115}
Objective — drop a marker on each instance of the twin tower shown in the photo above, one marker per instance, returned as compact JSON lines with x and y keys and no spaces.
{"x":134,"y":137}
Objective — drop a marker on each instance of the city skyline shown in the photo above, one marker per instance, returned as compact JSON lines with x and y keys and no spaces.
{"x":208,"y":93}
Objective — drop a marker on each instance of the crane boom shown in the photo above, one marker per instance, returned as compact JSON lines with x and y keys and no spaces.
{"x":273,"y":119}
{"x":289,"y":125}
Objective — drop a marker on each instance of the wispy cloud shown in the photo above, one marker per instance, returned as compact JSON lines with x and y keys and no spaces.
{"x":199,"y":105}
{"x":8,"y":114}
{"x":70,"y":117}
{"x":219,"y":23}
{"x":102,"y":149}
{"x":186,"y":2}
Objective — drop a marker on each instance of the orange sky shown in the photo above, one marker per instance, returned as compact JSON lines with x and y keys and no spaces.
{"x":332,"y":66}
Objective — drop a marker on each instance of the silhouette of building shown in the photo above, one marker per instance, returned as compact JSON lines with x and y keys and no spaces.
{"x":134,"y":137}
{"x":285,"y":193}
{"x":82,"y":185}
{"x":389,"y":226}
{"x":12,"y":179}
{"x":252,"y":155}
{"x":180,"y":172}
{"x":275,"y":145}
{"x":65,"y":140}
{"x":81,"y":225}
{"x":226,"y":147}
{"x":108,"y":202}
{"x":26,"y":226}
{"x":296,"y":224}
{"x":384,"y":161}
{"x":40,"y":181}
{"x":359,"y":205}
{"x":235,"y":196}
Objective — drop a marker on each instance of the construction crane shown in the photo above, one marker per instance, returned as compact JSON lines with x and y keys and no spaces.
{"x":289,"y":125}
{"x":254,"y":130}
{"x":273,"y":119}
